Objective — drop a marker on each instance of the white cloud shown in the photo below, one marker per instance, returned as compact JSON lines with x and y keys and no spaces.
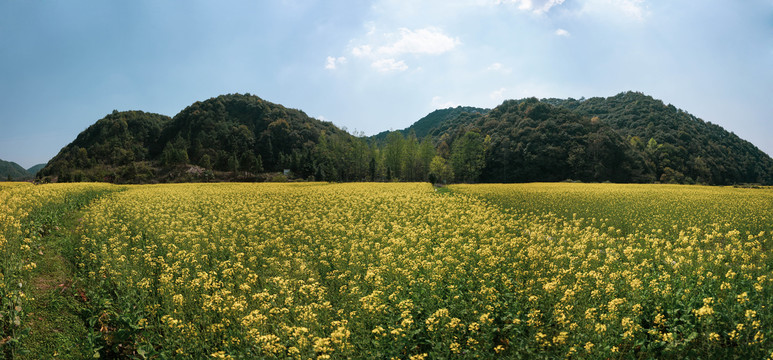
{"x":387,"y":65}
{"x":627,"y":9}
{"x":495,"y":66}
{"x":498,"y":94}
{"x":439,"y":103}
{"x":562,"y":32}
{"x":332,"y":62}
{"x":362,"y":51}
{"x":632,"y":8}
{"x":384,"y":50}
{"x":429,"y":40}
{"x":498,"y":67}
{"x":535,"y":6}
{"x":371,"y":27}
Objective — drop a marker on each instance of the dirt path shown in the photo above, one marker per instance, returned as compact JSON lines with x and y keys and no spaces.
{"x":57,"y":330}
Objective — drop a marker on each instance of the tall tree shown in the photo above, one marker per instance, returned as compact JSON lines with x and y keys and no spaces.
{"x":393,"y":155}
{"x":468,"y":157}
{"x":410,"y":158}
{"x":440,"y":171}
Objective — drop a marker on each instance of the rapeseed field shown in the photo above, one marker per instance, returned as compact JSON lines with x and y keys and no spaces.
{"x":322,"y":271}
{"x":404,"y":271}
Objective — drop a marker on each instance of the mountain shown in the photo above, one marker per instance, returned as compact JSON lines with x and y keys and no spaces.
{"x":13,"y":171}
{"x":629,"y":137}
{"x":230,"y":137}
{"x":248,"y":134}
{"x":679,"y":146}
{"x":438,"y":121}
{"x":34,"y":170}
{"x":530,"y":140}
{"x":115,"y":148}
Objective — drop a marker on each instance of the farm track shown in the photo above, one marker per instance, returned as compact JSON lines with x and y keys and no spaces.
{"x":44,"y":306}
{"x":56,"y":323}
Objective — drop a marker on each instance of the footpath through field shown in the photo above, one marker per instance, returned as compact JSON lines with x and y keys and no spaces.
{"x":42,"y":316}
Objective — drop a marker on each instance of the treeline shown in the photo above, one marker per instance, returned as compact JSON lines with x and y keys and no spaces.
{"x":627,"y":138}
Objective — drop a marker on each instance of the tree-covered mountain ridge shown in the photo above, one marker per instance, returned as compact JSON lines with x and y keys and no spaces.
{"x":629,"y":137}
{"x":11,"y":171}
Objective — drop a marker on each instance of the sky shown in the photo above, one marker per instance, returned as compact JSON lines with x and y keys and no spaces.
{"x":370,"y":66}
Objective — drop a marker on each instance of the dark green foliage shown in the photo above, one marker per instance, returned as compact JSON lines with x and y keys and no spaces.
{"x":468,"y":157}
{"x":232,"y":135}
{"x":11,"y":171}
{"x":686,"y":149}
{"x":535,"y":141}
{"x":393,"y":154}
{"x":629,"y":137}
{"x":34,"y":170}
{"x":626,"y":138}
{"x":243,"y":133}
{"x":438,"y":121}
{"x":106,"y":150}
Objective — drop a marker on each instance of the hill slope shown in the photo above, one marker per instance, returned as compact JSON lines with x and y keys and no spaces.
{"x":34,"y":169}
{"x":661,"y":143}
{"x":531,"y":140}
{"x":629,"y":137}
{"x":680,"y":146}
{"x":13,"y":171}
{"x":239,"y":134}
{"x":115,"y":148}
{"x":248,"y":134}
{"x":437,"y":122}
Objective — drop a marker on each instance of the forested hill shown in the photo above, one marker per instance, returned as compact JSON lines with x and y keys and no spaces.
{"x":629,"y":137}
{"x":437,"y":122}
{"x":230,"y":137}
{"x":243,"y":133}
{"x":12,"y":171}
{"x":535,"y":141}
{"x":116,"y":147}
{"x":679,"y":146}
{"x":35,"y":168}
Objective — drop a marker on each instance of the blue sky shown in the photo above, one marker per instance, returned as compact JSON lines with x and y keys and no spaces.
{"x":377,"y":65}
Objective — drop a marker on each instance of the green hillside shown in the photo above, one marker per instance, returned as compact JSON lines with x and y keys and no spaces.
{"x":230,"y":137}
{"x":115,"y":149}
{"x":438,"y":121}
{"x":34,"y":170}
{"x":243,"y":133}
{"x":679,"y":146}
{"x":535,"y":141}
{"x":660,"y":143}
{"x":630,"y":137}
{"x":12,"y":171}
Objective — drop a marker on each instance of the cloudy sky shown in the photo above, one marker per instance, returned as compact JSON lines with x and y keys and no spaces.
{"x":374,"y":65}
